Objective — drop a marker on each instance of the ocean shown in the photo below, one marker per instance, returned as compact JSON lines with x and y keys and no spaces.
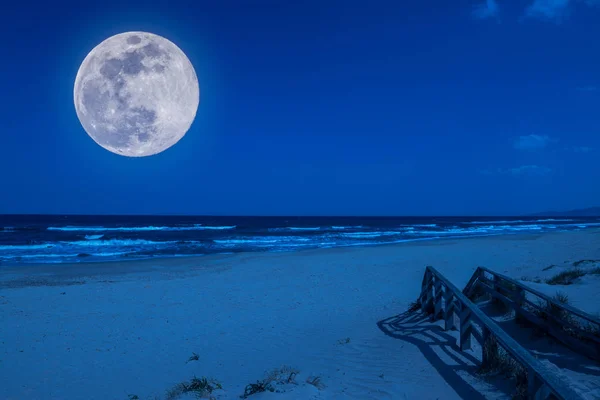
{"x":26,"y":239}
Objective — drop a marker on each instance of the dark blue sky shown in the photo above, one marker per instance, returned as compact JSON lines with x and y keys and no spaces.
{"x":318,"y":108}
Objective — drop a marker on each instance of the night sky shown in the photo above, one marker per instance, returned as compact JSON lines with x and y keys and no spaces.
{"x":318,"y":108}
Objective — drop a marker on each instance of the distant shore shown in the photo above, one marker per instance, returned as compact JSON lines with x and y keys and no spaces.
{"x":129,"y":327}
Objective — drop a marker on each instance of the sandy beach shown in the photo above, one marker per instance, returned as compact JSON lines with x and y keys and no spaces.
{"x":123,"y":329}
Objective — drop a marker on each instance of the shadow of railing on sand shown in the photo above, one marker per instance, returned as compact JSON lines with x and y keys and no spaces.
{"x":416,"y":328}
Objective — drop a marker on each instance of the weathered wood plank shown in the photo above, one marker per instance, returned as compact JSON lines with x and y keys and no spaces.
{"x":465,"y":329}
{"x":560,"y":325}
{"x":586,"y":348}
{"x":448,"y":310}
{"x":468,"y":291}
{"x":497,"y":295}
{"x":559,"y":322}
{"x":580,"y":313}
{"x":426,"y":299}
{"x":535,"y":368}
{"x":476,"y":334}
{"x":437,"y":300}
{"x":533,"y":384}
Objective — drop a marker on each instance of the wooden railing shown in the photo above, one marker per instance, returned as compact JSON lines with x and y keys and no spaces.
{"x":442,"y":299}
{"x":576,"y":329}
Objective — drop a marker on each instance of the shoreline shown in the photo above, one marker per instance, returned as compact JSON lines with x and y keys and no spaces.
{"x":92,"y":240}
{"x":198,"y":262}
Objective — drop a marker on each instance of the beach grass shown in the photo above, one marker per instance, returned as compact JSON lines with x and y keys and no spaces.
{"x":566,"y":277}
{"x":201,"y":387}
{"x":316,"y":381}
{"x":500,"y":362}
{"x":278,"y":376}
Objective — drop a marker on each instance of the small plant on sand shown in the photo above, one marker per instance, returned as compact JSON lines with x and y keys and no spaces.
{"x":258,"y":387}
{"x":566,"y":321}
{"x":549,"y":267}
{"x":316,"y":382}
{"x":193,"y":357}
{"x":278,"y":376}
{"x":133,"y":397}
{"x":581,"y":263}
{"x":344,"y":341}
{"x":566,"y":277}
{"x":536,"y":279}
{"x":201,"y":387}
{"x":546,"y":309}
{"x":498,"y":361}
{"x":282,"y":375}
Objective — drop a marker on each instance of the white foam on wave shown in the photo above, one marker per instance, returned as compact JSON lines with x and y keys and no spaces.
{"x":93,"y":237}
{"x":365,"y":235}
{"x":481,"y":230}
{"x":137,"y":228}
{"x":494,"y":222}
{"x":295,"y":228}
{"x":554,"y":220}
{"x":42,"y":256}
{"x":90,"y":243}
{"x":516,"y":221}
{"x":272,"y":240}
{"x":26,"y":246}
{"x":421,"y":225}
{"x":584,"y":224}
{"x":117,"y":243}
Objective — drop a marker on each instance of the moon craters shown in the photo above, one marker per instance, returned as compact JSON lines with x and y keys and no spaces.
{"x":136,"y":94}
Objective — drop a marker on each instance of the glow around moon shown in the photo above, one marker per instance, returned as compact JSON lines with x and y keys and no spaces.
{"x":136,"y":94}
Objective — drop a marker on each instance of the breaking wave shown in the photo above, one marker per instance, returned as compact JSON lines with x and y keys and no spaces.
{"x":137,"y":228}
{"x":95,"y":239}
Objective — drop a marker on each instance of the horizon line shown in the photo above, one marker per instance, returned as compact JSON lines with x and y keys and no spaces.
{"x":550,"y":214}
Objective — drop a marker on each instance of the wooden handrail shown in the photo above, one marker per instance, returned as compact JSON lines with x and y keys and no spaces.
{"x":581,"y":314}
{"x":574,"y":328}
{"x":543,"y":382}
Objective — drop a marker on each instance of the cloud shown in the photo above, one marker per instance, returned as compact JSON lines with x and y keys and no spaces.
{"x":587,"y":88}
{"x":524,"y":170}
{"x":554,"y":10}
{"x":529,"y":170}
{"x":531,"y":142}
{"x":582,"y":149}
{"x":488,"y":9}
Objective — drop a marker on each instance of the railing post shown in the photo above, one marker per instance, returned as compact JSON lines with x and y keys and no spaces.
{"x":533,"y":385}
{"x":448,"y":310}
{"x":426,"y":298}
{"x":519,"y":298}
{"x":423,"y":295}
{"x":437,"y":300}
{"x":487,"y":347}
{"x":465,"y":329}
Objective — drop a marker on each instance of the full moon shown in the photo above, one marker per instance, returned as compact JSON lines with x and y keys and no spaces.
{"x":136,"y":94}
